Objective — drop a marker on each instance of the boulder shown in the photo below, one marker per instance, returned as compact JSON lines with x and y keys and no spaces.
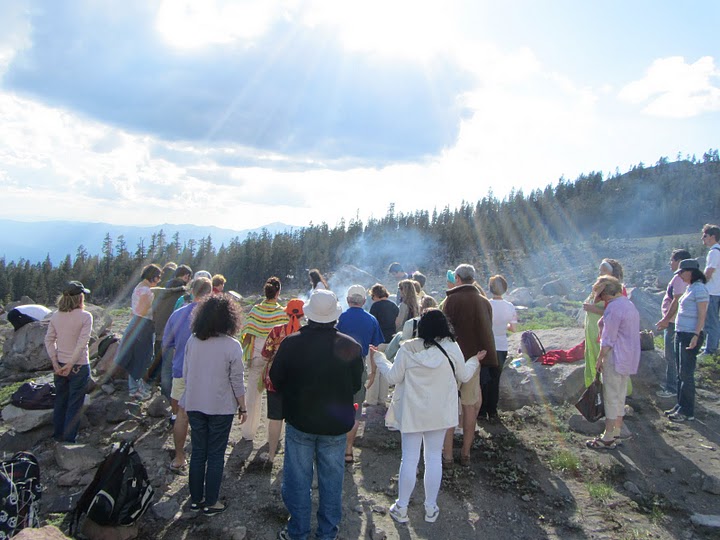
{"x":705,"y":521}
{"x":159,"y":407}
{"x":522,"y":296}
{"x":102,"y":321}
{"x":534,"y":384}
{"x":25,"y":350}
{"x":711,"y":484}
{"x":48,"y":532}
{"x":652,"y":367}
{"x":166,"y":510}
{"x":77,"y":456}
{"x":556,"y":287}
{"x":663,"y":278}
{"x":22,"y":420}
{"x":93,"y":531}
{"x":648,"y":304}
{"x":15,"y":441}
{"x":554,"y":338}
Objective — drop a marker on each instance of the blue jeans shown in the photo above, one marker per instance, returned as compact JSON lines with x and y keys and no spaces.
{"x":712,"y":324}
{"x":69,"y":397}
{"x":670,"y":358}
{"x":209,"y":434}
{"x":301,"y":450}
{"x":686,"y":361}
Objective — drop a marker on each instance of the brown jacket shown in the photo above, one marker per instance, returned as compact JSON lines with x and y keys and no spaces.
{"x":470,"y":313}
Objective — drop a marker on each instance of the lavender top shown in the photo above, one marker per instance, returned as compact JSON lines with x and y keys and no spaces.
{"x":213,"y":372}
{"x":621,"y":331}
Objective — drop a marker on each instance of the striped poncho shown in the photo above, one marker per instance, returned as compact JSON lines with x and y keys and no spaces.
{"x":259,"y":322}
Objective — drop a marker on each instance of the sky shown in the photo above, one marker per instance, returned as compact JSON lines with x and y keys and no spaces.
{"x":241,"y":113}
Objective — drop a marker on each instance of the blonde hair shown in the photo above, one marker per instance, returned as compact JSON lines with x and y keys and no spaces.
{"x":409,"y":296}
{"x":616,"y":269}
{"x":218,"y":279}
{"x":69,"y":302}
{"x":607,"y":284}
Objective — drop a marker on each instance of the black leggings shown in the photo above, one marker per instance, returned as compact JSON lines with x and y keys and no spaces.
{"x":490,"y":385}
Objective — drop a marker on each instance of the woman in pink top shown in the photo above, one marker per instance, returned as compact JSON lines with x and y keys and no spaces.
{"x":66,"y":342}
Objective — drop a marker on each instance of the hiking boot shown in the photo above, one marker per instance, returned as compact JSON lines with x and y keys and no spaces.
{"x":665,"y":393}
{"x":399,"y":514}
{"x":431,"y":514}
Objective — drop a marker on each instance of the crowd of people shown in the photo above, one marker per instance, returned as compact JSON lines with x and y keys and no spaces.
{"x":320,"y":366}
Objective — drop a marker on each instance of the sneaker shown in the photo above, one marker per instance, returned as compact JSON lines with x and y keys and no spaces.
{"x":679,"y":417}
{"x":214,"y":510}
{"x":196,"y":507}
{"x":431,"y":514}
{"x":171,"y":421}
{"x":665,"y":393}
{"x":672,"y":411}
{"x":399,"y":514}
{"x":143,"y":396}
{"x":283,"y":534}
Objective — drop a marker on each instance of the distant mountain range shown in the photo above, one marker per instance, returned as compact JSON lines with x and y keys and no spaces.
{"x":33,"y":241}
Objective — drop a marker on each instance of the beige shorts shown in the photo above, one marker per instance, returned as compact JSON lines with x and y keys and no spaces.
{"x":470,"y":391}
{"x":614,"y":391}
{"x":178,"y":388}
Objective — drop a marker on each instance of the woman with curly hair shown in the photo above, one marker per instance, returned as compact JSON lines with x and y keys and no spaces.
{"x":259,"y":322}
{"x":213,"y":359}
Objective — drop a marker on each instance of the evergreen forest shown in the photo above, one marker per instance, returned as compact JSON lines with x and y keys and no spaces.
{"x":665,"y":198}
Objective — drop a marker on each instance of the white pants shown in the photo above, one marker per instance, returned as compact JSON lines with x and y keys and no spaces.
{"x":253,"y":398}
{"x":411,"y":443}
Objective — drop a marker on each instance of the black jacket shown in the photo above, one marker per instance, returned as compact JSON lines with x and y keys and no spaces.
{"x":318,"y":370}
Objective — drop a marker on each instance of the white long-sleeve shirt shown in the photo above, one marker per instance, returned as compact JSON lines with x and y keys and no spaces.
{"x":426,"y":390}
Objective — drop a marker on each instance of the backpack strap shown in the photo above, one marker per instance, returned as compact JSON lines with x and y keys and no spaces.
{"x":542,"y":348}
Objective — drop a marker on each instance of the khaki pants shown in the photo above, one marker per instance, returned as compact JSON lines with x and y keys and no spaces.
{"x":377,"y":394}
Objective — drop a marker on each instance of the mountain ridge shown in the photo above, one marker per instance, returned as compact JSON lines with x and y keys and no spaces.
{"x":33,"y":241}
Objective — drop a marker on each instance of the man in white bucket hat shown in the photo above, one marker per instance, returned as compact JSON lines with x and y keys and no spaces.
{"x":317,"y":370}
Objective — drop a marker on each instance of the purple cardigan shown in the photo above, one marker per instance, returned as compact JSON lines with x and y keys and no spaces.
{"x":621,"y":331}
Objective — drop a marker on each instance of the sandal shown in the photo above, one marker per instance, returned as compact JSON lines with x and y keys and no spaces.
{"x":598,"y":444}
{"x":349,"y":458}
{"x":177,"y":469}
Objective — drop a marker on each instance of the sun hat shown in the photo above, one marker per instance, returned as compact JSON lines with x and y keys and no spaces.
{"x":688,"y":264}
{"x":323,"y":306}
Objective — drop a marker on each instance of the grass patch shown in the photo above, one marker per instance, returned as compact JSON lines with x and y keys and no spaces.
{"x":659,"y":342}
{"x":600,"y":491}
{"x":541,"y":318}
{"x":565,"y":460}
{"x":120,"y":312}
{"x":707,"y":374}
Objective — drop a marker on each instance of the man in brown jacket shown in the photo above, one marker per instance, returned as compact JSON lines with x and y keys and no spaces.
{"x":470,"y":313}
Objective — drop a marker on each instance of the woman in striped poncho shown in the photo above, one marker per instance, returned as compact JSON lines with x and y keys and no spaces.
{"x":259,"y":322}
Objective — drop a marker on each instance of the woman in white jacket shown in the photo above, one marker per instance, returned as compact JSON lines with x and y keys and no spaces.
{"x":426,"y":373}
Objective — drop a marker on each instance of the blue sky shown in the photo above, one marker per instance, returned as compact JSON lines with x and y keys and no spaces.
{"x":237,"y":113}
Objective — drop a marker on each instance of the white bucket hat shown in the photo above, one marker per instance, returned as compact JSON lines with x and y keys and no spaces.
{"x":323,"y":306}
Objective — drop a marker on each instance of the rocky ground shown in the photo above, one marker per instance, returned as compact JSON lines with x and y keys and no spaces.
{"x":531,"y":475}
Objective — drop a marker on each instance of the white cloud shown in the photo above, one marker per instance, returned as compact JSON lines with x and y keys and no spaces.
{"x":673,"y":88}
